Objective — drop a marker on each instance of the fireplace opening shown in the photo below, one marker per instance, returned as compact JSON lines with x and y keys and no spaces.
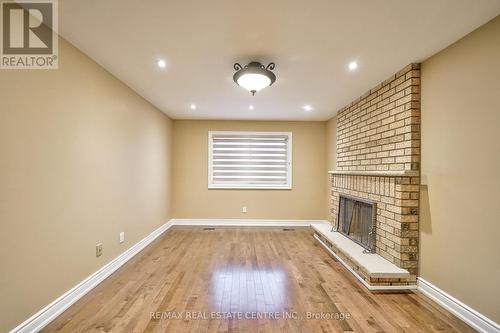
{"x":356,"y":220}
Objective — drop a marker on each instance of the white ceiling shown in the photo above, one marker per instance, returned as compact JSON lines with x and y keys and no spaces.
{"x":311,"y":43}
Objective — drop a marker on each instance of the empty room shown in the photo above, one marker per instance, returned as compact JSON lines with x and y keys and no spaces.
{"x":249,"y":166}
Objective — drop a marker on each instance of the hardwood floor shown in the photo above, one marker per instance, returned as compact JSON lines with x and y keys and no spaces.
{"x":195,"y":280}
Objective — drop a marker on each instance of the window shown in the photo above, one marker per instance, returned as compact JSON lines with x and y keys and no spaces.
{"x":250,"y":160}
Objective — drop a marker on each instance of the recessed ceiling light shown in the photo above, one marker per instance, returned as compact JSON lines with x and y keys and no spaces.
{"x":250,"y":107}
{"x":353,"y":65}
{"x":193,"y":106}
{"x":307,"y":107}
{"x":161,"y":63}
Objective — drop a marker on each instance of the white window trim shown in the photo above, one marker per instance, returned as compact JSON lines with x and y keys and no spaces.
{"x":287,"y":186}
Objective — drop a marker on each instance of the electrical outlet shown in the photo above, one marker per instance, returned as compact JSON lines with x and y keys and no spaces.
{"x":244,"y":209}
{"x":98,"y":250}
{"x":122,"y":237}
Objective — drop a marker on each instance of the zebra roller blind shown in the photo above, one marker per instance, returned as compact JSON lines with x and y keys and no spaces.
{"x":250,"y":160}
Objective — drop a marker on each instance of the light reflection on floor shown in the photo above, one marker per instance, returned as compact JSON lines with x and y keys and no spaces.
{"x":244,"y":289}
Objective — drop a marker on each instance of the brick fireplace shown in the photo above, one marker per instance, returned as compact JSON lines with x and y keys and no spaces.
{"x":378,"y":159}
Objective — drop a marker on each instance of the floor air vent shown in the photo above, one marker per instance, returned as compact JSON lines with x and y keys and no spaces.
{"x":288,"y":229}
{"x":208,"y":228}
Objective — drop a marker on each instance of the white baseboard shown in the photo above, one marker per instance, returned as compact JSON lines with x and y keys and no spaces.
{"x":366,"y":284}
{"x":246,"y":222}
{"x":476,"y":320}
{"x":43,"y":317}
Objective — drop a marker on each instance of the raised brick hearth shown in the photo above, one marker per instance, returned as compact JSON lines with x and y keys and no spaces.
{"x":378,"y":158}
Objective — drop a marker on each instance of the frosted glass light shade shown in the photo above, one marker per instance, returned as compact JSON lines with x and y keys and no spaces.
{"x":254,"y":82}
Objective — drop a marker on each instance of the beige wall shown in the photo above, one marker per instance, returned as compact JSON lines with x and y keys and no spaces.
{"x":460,"y":206}
{"x":331,"y":159}
{"x":82,"y":157}
{"x":194,"y":200}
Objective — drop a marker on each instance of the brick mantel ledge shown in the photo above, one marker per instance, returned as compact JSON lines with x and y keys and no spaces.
{"x":396,"y":173}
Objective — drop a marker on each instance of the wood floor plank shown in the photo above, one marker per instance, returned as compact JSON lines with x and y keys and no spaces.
{"x":245,"y":280}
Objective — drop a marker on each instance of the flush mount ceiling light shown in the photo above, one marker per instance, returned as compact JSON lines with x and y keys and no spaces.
{"x":254,"y":76}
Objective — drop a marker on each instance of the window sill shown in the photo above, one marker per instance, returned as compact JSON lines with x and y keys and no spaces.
{"x":248,"y":187}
